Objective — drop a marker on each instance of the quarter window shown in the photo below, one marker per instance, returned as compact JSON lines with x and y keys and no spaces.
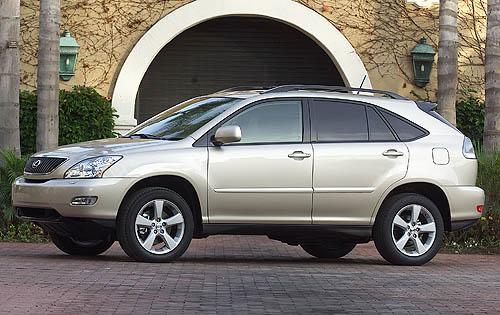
{"x":404,"y":129}
{"x":339,"y":122}
{"x":270,"y":122}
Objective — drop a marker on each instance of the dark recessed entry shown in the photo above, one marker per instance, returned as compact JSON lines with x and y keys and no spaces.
{"x":227,"y":52}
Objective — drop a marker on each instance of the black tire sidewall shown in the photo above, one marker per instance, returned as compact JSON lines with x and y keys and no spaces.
{"x":383,"y":229}
{"x":325,"y":251}
{"x":69,"y":246}
{"x":126,"y":224}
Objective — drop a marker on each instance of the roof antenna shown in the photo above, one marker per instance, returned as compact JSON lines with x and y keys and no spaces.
{"x":361,"y":85}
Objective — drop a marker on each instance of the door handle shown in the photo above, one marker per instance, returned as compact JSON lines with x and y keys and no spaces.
{"x":392,"y":153}
{"x":299,"y":155}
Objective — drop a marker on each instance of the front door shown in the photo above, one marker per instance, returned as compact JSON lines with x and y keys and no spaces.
{"x":267,"y":176}
{"x":356,"y":158}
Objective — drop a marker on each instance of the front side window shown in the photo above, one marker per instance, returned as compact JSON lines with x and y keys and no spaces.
{"x":271,"y":122}
{"x":335,"y":121}
{"x":180,"y":121}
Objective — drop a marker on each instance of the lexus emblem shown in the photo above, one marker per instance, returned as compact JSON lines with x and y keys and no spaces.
{"x":36,"y":163}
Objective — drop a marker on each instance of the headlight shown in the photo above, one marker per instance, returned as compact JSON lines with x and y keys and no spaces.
{"x":468,"y":149}
{"x":91,"y":168}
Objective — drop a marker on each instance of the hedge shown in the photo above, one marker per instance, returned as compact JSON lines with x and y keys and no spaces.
{"x":83,"y":115}
{"x":470,"y":115}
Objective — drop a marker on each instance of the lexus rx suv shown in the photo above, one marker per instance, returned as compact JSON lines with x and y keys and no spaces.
{"x":321,"y":167}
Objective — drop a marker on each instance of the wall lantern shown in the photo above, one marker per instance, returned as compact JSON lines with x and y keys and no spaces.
{"x":68,"y":50}
{"x":423,"y":58}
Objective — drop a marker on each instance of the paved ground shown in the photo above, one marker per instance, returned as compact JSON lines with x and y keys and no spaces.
{"x":246,"y":274}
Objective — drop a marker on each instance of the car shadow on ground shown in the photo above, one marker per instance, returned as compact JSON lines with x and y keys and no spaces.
{"x":244,"y":260}
{"x":281,"y":260}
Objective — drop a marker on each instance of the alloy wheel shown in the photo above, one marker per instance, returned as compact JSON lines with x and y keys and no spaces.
{"x":159,"y":226}
{"x":413,"y":230}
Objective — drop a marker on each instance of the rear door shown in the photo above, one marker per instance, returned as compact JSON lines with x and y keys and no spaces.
{"x":356,"y":158}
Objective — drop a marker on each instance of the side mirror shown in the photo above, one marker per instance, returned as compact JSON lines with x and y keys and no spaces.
{"x":227,"y":134}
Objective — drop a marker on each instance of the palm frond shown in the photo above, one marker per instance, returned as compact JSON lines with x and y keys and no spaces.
{"x":11,"y":166}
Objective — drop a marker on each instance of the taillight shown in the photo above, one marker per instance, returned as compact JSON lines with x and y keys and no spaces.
{"x":468,"y":149}
{"x":480,"y":208}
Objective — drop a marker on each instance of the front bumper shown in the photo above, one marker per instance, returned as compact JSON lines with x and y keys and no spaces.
{"x":57,"y":194}
{"x":463,"y":205}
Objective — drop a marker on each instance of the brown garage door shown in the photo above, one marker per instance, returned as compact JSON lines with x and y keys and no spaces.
{"x":227,"y":52}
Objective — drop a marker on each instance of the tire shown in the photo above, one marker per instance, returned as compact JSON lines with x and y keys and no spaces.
{"x":417,"y":243}
{"x":81,"y":248}
{"x":330,"y":250}
{"x":150,"y":236}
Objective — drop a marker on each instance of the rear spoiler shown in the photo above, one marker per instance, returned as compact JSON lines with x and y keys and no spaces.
{"x":426,"y":106}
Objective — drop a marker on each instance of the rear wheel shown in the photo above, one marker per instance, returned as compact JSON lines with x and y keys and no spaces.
{"x":408,"y":230}
{"x":155,"y":225}
{"x":328,"y":249}
{"x":75,"y":247}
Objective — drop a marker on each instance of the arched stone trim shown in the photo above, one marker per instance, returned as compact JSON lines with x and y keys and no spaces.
{"x":290,"y":12}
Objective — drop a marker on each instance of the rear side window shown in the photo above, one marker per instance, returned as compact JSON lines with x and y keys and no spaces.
{"x":405,"y":130}
{"x":379,"y":131}
{"x":339,"y":122}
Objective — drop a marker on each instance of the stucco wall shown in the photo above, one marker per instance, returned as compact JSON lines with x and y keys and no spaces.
{"x":382,"y":32}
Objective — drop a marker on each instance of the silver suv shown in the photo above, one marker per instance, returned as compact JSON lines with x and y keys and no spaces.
{"x":320,"y":167}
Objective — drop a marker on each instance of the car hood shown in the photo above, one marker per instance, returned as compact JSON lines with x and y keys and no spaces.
{"x":77,"y":152}
{"x":111,"y":146}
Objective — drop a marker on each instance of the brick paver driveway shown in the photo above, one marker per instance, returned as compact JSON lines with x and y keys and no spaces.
{"x":242,"y":274}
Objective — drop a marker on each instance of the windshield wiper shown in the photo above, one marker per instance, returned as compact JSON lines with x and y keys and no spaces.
{"x":172,"y":138}
{"x":143,"y":136}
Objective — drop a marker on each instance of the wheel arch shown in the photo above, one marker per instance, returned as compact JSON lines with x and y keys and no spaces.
{"x":177,"y":183}
{"x":430,"y":190}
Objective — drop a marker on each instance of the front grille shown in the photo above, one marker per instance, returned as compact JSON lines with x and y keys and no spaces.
{"x":42,"y":165}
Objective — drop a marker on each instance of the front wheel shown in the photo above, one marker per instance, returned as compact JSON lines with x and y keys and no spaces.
{"x":328,"y":249}
{"x":155,"y":225}
{"x":75,"y":247}
{"x":408,"y":230}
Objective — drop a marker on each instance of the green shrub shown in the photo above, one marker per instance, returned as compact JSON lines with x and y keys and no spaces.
{"x":470,"y":115}
{"x":23,"y":231}
{"x":83,"y":115}
{"x":488,"y":178}
{"x":11,"y":228}
{"x":27,"y":121}
{"x":11,"y":166}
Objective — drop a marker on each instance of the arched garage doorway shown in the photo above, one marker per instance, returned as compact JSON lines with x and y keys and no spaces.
{"x":231,"y":51}
{"x":287,"y":12}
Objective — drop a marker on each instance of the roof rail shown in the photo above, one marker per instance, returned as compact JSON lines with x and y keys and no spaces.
{"x":244,"y":88}
{"x":288,"y":88}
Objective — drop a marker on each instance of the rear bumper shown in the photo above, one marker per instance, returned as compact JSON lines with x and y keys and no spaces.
{"x":460,"y":225}
{"x":463,"y":202}
{"x":57,"y":194}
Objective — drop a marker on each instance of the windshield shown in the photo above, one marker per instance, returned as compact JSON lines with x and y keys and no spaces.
{"x":180,"y":121}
